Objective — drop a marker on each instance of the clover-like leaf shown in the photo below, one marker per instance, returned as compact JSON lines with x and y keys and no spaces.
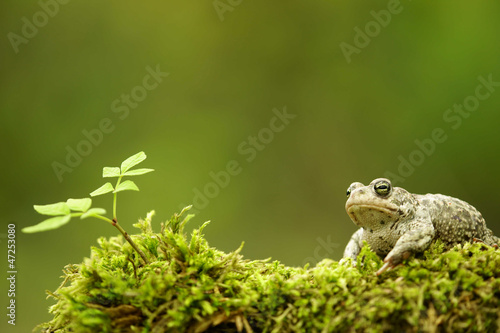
{"x":79,"y":205}
{"x":93,"y":212}
{"x":137,"y":172}
{"x":111,"y":172}
{"x":49,"y":224}
{"x":60,"y":208}
{"x":127,"y":185}
{"x":132,"y":161}
{"x":106,"y":188}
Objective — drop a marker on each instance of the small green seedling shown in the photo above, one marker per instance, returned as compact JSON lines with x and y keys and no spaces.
{"x":64,"y":211}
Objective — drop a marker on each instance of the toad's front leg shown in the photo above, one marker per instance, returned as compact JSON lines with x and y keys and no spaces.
{"x":418,"y":238}
{"x":354,"y":246}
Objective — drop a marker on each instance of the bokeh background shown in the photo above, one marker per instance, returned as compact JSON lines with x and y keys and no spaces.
{"x":231,"y":63}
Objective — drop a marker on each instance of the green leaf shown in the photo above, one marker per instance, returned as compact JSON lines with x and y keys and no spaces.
{"x":127,"y":185}
{"x":49,"y":224}
{"x":187,"y":218}
{"x":60,"y":208}
{"x":185,"y":209}
{"x":102,"y":190}
{"x":111,"y":172}
{"x":137,"y":172}
{"x":79,"y":205}
{"x":132,"y":161}
{"x":93,"y":212}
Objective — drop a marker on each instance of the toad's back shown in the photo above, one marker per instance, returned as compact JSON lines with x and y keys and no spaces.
{"x":455,"y":221}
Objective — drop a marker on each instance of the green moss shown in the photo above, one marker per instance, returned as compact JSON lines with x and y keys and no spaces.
{"x":190,"y":287}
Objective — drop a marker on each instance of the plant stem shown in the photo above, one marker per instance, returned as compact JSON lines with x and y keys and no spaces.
{"x":131,"y":242}
{"x":103,"y":218}
{"x":114,"y":197}
{"x":114,"y":206}
{"x":125,"y":235}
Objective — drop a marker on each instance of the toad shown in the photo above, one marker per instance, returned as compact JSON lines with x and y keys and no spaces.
{"x":396,"y":223}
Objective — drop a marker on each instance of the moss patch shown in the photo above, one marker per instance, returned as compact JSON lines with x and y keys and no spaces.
{"x":191,"y":287}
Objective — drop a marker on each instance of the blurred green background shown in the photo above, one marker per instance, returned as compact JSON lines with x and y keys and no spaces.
{"x":230,"y":63}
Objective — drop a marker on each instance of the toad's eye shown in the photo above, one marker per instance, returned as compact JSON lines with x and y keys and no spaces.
{"x":382,"y":188}
{"x":348,"y":193}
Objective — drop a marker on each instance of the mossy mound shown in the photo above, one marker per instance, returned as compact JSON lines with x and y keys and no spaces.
{"x":191,"y":287}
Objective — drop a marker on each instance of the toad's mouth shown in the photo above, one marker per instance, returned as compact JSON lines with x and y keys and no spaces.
{"x":352,"y":208}
{"x":361,"y":214}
